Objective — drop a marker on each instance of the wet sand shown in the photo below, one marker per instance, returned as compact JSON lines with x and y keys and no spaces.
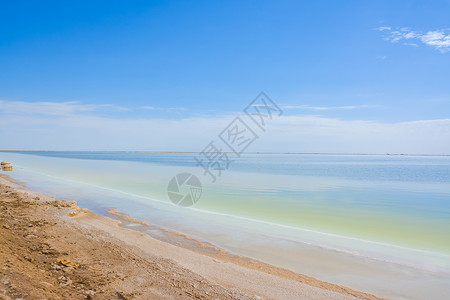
{"x":52,"y":249}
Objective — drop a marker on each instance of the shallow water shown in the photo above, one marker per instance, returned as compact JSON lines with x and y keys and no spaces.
{"x":375,"y":223}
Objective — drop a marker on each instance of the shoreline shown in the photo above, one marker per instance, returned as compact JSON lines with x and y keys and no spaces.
{"x":222,"y":270}
{"x":208,"y":249}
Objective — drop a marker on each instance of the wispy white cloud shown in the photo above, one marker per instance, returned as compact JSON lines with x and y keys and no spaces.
{"x":383,"y":28}
{"x":344,"y":107}
{"x":321,"y":134}
{"x":438,"y":39}
{"x":166,"y":109}
{"x":77,"y":130}
{"x":70,"y":108}
{"x":54,"y":108}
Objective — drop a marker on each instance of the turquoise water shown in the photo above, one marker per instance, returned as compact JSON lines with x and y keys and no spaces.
{"x":391,"y":209}
{"x":396,"y":199}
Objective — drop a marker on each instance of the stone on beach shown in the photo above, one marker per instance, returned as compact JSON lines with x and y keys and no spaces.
{"x":6,"y":166}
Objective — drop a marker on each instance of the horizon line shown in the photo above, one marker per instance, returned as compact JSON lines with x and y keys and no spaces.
{"x":227,"y":152}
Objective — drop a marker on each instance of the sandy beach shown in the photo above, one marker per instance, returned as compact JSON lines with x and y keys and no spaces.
{"x":52,"y":249}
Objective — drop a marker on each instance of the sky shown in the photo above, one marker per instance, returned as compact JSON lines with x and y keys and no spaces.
{"x":349,"y":76}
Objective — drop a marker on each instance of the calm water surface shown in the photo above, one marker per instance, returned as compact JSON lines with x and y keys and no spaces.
{"x":388,"y":208}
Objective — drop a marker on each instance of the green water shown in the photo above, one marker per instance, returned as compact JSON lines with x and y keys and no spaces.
{"x":404,"y":200}
{"x":379,"y":224}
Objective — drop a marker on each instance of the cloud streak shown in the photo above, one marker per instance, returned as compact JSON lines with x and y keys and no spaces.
{"x":438,"y":39}
{"x":165,"y":109}
{"x":70,"y":128}
{"x":343,"y":107}
{"x":70,"y":108}
{"x":54,"y":108}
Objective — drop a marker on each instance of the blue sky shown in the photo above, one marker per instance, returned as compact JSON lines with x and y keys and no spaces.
{"x":383,"y":64}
